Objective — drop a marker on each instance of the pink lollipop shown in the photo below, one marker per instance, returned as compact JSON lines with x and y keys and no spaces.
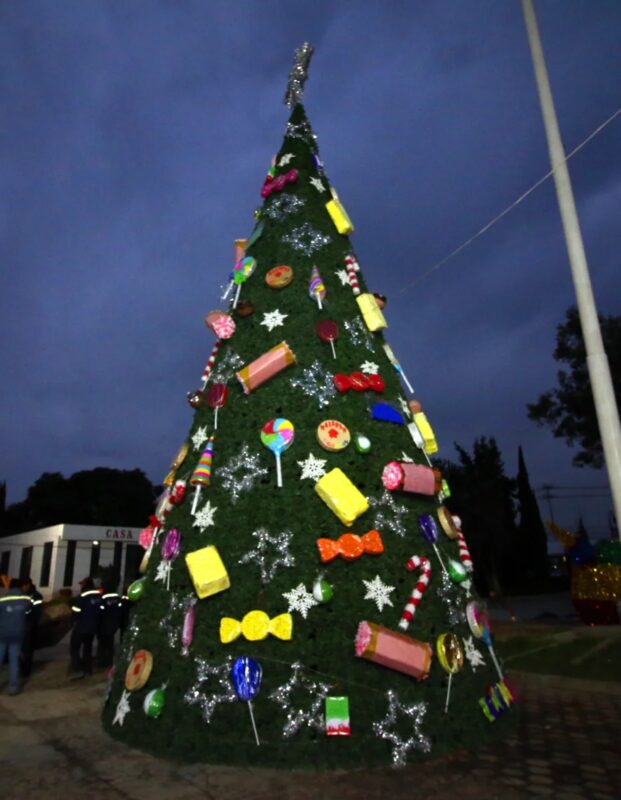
{"x":328,"y":331}
{"x":216,"y":398}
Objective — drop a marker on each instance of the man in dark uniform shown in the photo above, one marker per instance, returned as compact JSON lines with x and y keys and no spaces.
{"x":109,"y":623}
{"x":14,"y":608}
{"x":32,"y":624}
{"x":86,"y":611}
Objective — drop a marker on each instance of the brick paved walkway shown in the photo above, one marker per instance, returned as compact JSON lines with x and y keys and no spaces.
{"x":566,"y":748}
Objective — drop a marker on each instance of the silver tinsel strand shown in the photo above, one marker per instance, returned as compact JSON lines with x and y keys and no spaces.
{"x":240,"y":473}
{"x":452,"y":597}
{"x":392,"y":519}
{"x":359,"y":333}
{"x":317,"y":382}
{"x":172,"y":623}
{"x":211,"y":674}
{"x":384,"y":729}
{"x":279,"y":545}
{"x":297,"y":717}
{"x":283,"y":205}
{"x":226,"y":367}
{"x":306,"y":239}
{"x":298,"y":75}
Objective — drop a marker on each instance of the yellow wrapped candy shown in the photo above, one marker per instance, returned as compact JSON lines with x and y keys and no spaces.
{"x":341,"y":496}
{"x":426,"y":431}
{"x":339,"y":216}
{"x":207,"y":571}
{"x":255,"y":626}
{"x":371,"y":313}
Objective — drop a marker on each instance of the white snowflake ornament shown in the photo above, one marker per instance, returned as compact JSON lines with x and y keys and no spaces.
{"x":369,"y":368}
{"x":379,"y":592}
{"x":204,"y":518}
{"x":312,"y":468}
{"x":300,"y":600}
{"x":163,"y":570}
{"x":407,"y":413}
{"x":285,"y":159}
{"x":475,"y":659}
{"x":200,"y":437}
{"x":318,"y":185}
{"x":405,"y":457}
{"x":342,"y":275}
{"x":273,"y":319}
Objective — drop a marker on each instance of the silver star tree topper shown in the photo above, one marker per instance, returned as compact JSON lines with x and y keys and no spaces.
{"x":298,"y":75}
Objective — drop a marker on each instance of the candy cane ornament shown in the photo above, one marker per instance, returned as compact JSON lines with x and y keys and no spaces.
{"x":422,"y":563}
{"x":351,"y":265}
{"x":211,"y":362}
{"x":464,"y":553}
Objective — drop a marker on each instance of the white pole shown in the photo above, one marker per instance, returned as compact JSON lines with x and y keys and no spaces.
{"x":597,"y":362}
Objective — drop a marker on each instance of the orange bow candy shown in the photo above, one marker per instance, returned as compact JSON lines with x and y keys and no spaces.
{"x":350,"y":546}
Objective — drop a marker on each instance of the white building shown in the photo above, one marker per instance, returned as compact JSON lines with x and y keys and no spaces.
{"x":57,"y":558}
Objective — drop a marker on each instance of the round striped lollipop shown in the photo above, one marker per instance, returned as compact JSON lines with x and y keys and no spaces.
{"x":277,"y":435}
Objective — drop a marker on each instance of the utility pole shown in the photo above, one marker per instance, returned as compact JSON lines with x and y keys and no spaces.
{"x":597,"y":362}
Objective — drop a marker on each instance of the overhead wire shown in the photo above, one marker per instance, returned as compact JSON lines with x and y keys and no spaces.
{"x":509,"y":208}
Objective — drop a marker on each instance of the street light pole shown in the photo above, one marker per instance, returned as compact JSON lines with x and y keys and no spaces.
{"x":597,"y":362}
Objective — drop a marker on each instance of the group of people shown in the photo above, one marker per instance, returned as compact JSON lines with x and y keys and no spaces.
{"x":96,"y":613}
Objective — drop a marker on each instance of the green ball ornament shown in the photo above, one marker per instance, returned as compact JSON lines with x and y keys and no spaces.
{"x":136,"y":589}
{"x":154,"y":703}
{"x":322,"y":591}
{"x":362,"y":443}
{"x":457,"y":571}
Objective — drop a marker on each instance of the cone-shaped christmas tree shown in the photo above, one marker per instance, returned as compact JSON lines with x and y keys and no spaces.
{"x":303,"y":537}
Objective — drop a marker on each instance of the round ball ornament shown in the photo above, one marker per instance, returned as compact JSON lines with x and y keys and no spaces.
{"x":154,"y":703}
{"x":322,"y":590}
{"x":136,"y":590}
{"x":139,"y":670}
{"x":279,"y":277}
{"x":362,"y":443}
{"x":332,"y":435}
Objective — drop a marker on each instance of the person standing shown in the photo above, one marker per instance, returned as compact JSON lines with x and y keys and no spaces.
{"x":32,"y":624}
{"x":109,"y":623}
{"x":86,"y":612}
{"x":14,"y":608}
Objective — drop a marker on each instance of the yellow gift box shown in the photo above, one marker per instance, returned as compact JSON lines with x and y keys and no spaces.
{"x":207,"y":571}
{"x":371,"y":313}
{"x":426,"y":431}
{"x":341,"y":496}
{"x":339,"y":216}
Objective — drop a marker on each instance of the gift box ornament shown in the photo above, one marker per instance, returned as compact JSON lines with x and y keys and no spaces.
{"x":408,"y":477}
{"x":339,"y":216}
{"x":341,"y":496}
{"x":337,"y":716}
{"x":371,"y":313}
{"x":393,"y":650}
{"x":426,"y":431}
{"x":207,"y":571}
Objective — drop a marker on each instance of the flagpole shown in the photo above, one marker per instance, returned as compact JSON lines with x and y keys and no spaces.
{"x":597,"y":362}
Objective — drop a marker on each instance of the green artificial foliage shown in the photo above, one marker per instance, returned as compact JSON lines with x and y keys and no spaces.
{"x":323,"y":642}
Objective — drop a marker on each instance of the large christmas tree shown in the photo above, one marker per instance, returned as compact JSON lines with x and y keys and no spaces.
{"x":302,"y":534}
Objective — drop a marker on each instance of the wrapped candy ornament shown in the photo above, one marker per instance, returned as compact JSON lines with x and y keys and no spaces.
{"x":350,"y":546}
{"x":393,"y":650}
{"x":265,"y":367}
{"x":256,"y":626}
{"x":187,"y":633}
{"x":410,"y":477}
{"x":221,"y":323}
{"x":176,"y":463}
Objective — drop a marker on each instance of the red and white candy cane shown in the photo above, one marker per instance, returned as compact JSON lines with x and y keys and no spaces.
{"x":352,"y":265}
{"x":211,"y":362}
{"x":464,"y":553}
{"x":422,"y":563}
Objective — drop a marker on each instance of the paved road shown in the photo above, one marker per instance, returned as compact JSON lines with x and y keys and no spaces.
{"x":566,"y":748}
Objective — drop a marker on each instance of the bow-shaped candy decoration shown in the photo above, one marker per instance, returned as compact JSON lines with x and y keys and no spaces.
{"x":255,"y":626}
{"x":359,"y":382}
{"x":350,"y":546}
{"x":273,"y":184}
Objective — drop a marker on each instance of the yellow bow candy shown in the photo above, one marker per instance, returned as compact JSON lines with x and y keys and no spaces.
{"x":256,"y":625}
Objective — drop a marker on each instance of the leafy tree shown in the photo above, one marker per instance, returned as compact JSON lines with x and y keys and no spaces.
{"x":101,"y":496}
{"x":482,"y":496}
{"x":532,"y":538}
{"x":569,"y":410}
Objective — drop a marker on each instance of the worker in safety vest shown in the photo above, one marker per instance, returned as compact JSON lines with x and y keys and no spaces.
{"x":15,"y":606}
{"x":86,"y":612}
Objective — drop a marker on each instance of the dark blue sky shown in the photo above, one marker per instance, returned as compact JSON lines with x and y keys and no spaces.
{"x":134,"y":140}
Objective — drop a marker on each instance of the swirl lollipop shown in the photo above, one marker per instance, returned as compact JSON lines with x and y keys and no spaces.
{"x":246,"y":676}
{"x":451,"y":657}
{"x":216,"y":398}
{"x":478,"y":621}
{"x":241,"y":272}
{"x":277,"y":435}
{"x":328,"y":331}
{"x":316,"y":288}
